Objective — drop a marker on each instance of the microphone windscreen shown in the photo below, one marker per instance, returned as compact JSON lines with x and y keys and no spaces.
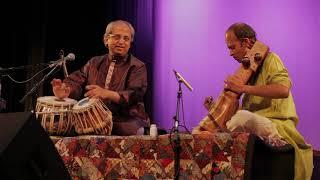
{"x":70,"y":57}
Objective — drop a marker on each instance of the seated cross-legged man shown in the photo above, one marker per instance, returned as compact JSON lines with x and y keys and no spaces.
{"x":267,"y":107}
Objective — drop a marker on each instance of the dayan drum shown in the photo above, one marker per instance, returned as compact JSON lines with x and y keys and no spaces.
{"x":92,"y":116}
{"x":55,"y":114}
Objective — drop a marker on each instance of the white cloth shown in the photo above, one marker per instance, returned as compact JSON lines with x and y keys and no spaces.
{"x":246,"y":121}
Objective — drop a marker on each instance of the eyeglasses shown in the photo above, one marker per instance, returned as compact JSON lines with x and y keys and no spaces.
{"x":118,"y":37}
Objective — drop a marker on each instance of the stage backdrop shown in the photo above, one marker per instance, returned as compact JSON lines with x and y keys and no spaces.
{"x":189,"y":37}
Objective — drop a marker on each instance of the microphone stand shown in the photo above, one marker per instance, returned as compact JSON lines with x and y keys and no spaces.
{"x":38,"y":84}
{"x":177,"y":146}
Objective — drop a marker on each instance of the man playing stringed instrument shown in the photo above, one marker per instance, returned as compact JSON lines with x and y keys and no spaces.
{"x":268,"y":107}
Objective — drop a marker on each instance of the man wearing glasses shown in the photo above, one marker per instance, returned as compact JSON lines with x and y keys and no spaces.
{"x":118,"y":78}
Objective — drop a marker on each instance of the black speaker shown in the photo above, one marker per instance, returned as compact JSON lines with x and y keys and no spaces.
{"x":265,"y":162}
{"x":27,"y":151}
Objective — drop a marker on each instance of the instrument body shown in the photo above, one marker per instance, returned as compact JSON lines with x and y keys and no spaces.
{"x":55,"y":114}
{"x":227,"y":103}
{"x":92,"y":116}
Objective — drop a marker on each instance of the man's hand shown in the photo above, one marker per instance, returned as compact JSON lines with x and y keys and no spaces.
{"x":197,"y":131}
{"x":60,"y":89}
{"x":234,"y":84}
{"x":208,"y":102}
{"x":95,"y":91}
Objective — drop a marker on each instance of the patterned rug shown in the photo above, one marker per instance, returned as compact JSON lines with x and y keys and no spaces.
{"x":210,"y":156}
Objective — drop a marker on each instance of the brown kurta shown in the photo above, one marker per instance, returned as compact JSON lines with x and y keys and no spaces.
{"x":129,"y":79}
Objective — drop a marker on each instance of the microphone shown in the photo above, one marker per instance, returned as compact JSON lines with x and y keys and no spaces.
{"x":69,"y":57}
{"x":62,"y":61}
{"x":180,"y":78}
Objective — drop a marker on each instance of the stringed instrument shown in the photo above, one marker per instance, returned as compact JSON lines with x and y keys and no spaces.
{"x":227,"y":103}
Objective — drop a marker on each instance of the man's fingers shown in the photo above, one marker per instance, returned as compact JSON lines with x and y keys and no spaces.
{"x":95,"y":97}
{"x":208,"y":99}
{"x":87,"y":94}
{"x":90,"y":87}
{"x":90,"y":93}
{"x":56,"y":82}
{"x":67,"y":89}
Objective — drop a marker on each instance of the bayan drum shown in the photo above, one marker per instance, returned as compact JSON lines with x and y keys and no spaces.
{"x":92,"y":116}
{"x":55,"y":114}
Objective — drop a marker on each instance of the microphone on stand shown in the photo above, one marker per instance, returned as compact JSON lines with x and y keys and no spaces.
{"x":69,"y":57}
{"x":180,"y":78}
{"x":177,"y":146}
{"x":62,"y":62}
{"x":54,"y":64}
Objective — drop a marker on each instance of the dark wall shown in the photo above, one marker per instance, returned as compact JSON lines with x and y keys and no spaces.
{"x":39,"y":29}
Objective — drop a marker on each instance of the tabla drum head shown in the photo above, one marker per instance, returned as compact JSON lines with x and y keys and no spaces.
{"x":56,"y":101}
{"x":85,"y":102}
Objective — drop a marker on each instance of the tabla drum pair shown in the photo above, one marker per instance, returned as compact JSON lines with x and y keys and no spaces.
{"x":88,"y":116}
